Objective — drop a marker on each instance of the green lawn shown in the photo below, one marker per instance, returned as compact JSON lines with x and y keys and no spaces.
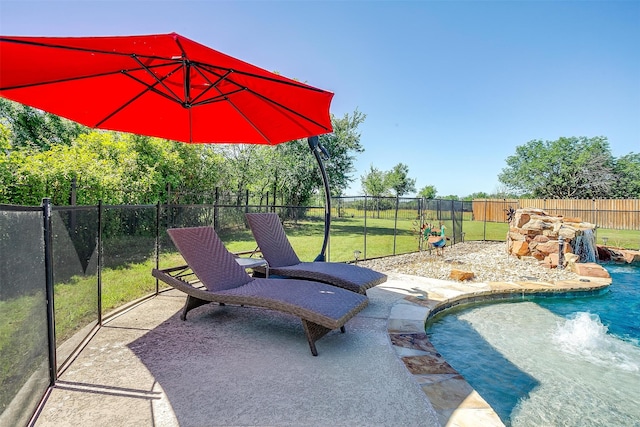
{"x":347,"y":235}
{"x":23,"y":342}
{"x":628,"y":239}
{"x":491,"y":231}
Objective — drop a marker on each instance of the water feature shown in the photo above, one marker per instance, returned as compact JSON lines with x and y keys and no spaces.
{"x":553,"y":361}
{"x":584,"y":245}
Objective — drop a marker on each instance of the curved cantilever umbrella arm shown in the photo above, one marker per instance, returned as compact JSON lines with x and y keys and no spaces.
{"x":316,"y":149}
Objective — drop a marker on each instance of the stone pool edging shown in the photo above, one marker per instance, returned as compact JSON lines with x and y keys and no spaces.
{"x":455,"y":402}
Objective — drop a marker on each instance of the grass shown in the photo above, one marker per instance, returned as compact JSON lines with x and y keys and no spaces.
{"x":347,"y":235}
{"x":23,"y":342}
{"x":479,"y":230}
{"x":628,"y":239}
{"x":76,"y":301}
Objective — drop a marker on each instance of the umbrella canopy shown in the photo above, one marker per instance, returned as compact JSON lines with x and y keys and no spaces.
{"x":165,"y":86}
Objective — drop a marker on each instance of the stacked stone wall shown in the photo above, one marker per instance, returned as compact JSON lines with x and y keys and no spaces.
{"x":534,"y":233}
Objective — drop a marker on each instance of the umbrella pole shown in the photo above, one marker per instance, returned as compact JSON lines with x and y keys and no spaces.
{"x":316,"y":149}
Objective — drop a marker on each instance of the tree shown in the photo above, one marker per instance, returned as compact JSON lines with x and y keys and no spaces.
{"x":240,"y":167}
{"x":374,"y":182}
{"x":477,"y":195}
{"x":193,"y":169}
{"x":295,"y":176}
{"x":627,"y":174}
{"x":502,"y":192}
{"x":36,"y":129}
{"x":397,"y":179}
{"x":428,"y":192}
{"x":565,"y":168}
{"x":342,"y":146}
{"x":293,"y":171}
{"x":5,"y":164}
{"x":110,"y":167}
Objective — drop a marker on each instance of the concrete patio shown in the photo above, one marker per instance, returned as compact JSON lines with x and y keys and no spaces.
{"x":242,"y":366}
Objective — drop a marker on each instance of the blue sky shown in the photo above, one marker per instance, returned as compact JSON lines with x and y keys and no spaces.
{"x":449,"y":88}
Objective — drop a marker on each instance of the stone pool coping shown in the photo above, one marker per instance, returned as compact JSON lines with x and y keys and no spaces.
{"x":455,"y":402}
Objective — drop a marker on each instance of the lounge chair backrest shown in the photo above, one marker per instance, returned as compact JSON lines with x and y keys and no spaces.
{"x":269,"y":234}
{"x":207,"y":256}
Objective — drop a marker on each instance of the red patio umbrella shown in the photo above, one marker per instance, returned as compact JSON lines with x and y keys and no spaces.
{"x":165,"y":86}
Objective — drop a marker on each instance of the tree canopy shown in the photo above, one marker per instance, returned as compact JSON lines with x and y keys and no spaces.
{"x":398,"y":180}
{"x":343,"y":145}
{"x":626,"y":169}
{"x":571,"y":168}
{"x":374,"y":183}
{"x":428,"y":192}
{"x":42,"y":154}
{"x":32,"y":128}
{"x":378,"y":183}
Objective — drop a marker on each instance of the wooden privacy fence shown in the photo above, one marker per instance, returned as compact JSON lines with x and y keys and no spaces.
{"x":621,"y":214}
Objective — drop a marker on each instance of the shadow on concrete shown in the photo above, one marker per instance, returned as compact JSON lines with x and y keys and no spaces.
{"x":230,"y":365}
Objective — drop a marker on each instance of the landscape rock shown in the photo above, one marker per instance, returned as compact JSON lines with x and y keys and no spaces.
{"x":541,"y":238}
{"x":461,"y":275}
{"x":520,"y":248}
{"x":607,"y":253}
{"x":590,"y":269}
{"x":549,"y":247}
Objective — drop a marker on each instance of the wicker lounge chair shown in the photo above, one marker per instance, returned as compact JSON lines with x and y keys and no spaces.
{"x":283,"y":261}
{"x":213,"y":275}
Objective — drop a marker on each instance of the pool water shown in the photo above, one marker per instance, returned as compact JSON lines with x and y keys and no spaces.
{"x":552,"y":361}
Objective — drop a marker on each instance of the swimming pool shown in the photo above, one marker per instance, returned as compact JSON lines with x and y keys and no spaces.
{"x":552,"y":361}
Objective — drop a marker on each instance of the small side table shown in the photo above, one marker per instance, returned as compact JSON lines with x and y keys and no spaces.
{"x":254,"y":262}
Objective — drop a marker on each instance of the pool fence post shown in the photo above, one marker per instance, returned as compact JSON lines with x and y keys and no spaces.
{"x":561,"y":253}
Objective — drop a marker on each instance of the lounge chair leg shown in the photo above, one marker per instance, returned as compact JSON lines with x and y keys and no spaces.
{"x":342,"y":329}
{"x":190,"y":304}
{"x":312,"y":346}
{"x":314,"y":332}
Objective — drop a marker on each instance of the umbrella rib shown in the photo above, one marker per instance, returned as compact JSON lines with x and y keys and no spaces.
{"x":70,"y":79}
{"x":79,"y":49}
{"x":212,"y":84}
{"x":221,"y":97}
{"x":265,"y":137}
{"x":184,"y":52}
{"x":147,"y":88}
{"x":158,"y":80}
{"x":284,"y":107}
{"x":120,"y":108}
{"x":152,"y":88}
{"x":258,"y":76}
{"x":224,"y":96}
{"x":267,"y":99}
